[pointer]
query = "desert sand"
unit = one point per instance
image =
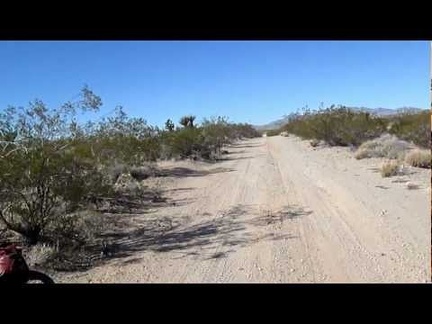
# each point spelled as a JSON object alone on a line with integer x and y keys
{"x": 277, "y": 210}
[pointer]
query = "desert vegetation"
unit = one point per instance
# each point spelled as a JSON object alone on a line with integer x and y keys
{"x": 273, "y": 132}
{"x": 413, "y": 127}
{"x": 419, "y": 158}
{"x": 342, "y": 126}
{"x": 387, "y": 146}
{"x": 392, "y": 137}
{"x": 389, "y": 168}
{"x": 335, "y": 125}
{"x": 59, "y": 176}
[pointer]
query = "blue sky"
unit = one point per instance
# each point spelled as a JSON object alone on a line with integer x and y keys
{"x": 248, "y": 81}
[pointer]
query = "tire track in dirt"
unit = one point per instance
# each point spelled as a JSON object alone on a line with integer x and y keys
{"x": 283, "y": 213}
{"x": 306, "y": 269}
{"x": 344, "y": 228}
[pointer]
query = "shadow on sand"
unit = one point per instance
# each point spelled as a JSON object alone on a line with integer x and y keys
{"x": 250, "y": 145}
{"x": 234, "y": 228}
{"x": 181, "y": 172}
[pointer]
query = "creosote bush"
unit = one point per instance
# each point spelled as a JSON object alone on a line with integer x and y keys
{"x": 343, "y": 126}
{"x": 339, "y": 126}
{"x": 47, "y": 168}
{"x": 52, "y": 168}
{"x": 412, "y": 127}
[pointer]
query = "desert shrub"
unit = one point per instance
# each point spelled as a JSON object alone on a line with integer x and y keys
{"x": 127, "y": 140}
{"x": 47, "y": 168}
{"x": 204, "y": 141}
{"x": 39, "y": 254}
{"x": 216, "y": 133}
{"x": 389, "y": 168}
{"x": 240, "y": 131}
{"x": 5, "y": 234}
{"x": 139, "y": 173}
{"x": 51, "y": 167}
{"x": 71, "y": 243}
{"x": 419, "y": 158}
{"x": 388, "y": 146}
{"x": 335, "y": 125}
{"x": 273, "y": 132}
{"x": 128, "y": 187}
{"x": 115, "y": 170}
{"x": 75, "y": 229}
{"x": 188, "y": 142}
{"x": 143, "y": 172}
{"x": 413, "y": 127}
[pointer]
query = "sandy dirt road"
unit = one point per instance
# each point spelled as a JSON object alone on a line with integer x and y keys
{"x": 278, "y": 210}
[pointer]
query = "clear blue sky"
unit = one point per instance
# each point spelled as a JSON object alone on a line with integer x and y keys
{"x": 248, "y": 81}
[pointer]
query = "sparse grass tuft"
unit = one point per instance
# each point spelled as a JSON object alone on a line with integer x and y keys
{"x": 389, "y": 169}
{"x": 39, "y": 254}
{"x": 419, "y": 158}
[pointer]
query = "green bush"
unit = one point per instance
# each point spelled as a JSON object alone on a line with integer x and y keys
{"x": 128, "y": 140}
{"x": 342, "y": 126}
{"x": 240, "y": 131}
{"x": 273, "y": 132}
{"x": 188, "y": 142}
{"x": 413, "y": 127}
{"x": 336, "y": 126}
{"x": 204, "y": 141}
{"x": 51, "y": 167}
{"x": 47, "y": 168}
{"x": 216, "y": 133}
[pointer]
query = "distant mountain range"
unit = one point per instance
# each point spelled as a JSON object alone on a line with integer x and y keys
{"x": 377, "y": 111}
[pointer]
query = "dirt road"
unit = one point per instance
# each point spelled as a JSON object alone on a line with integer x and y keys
{"x": 278, "y": 210}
